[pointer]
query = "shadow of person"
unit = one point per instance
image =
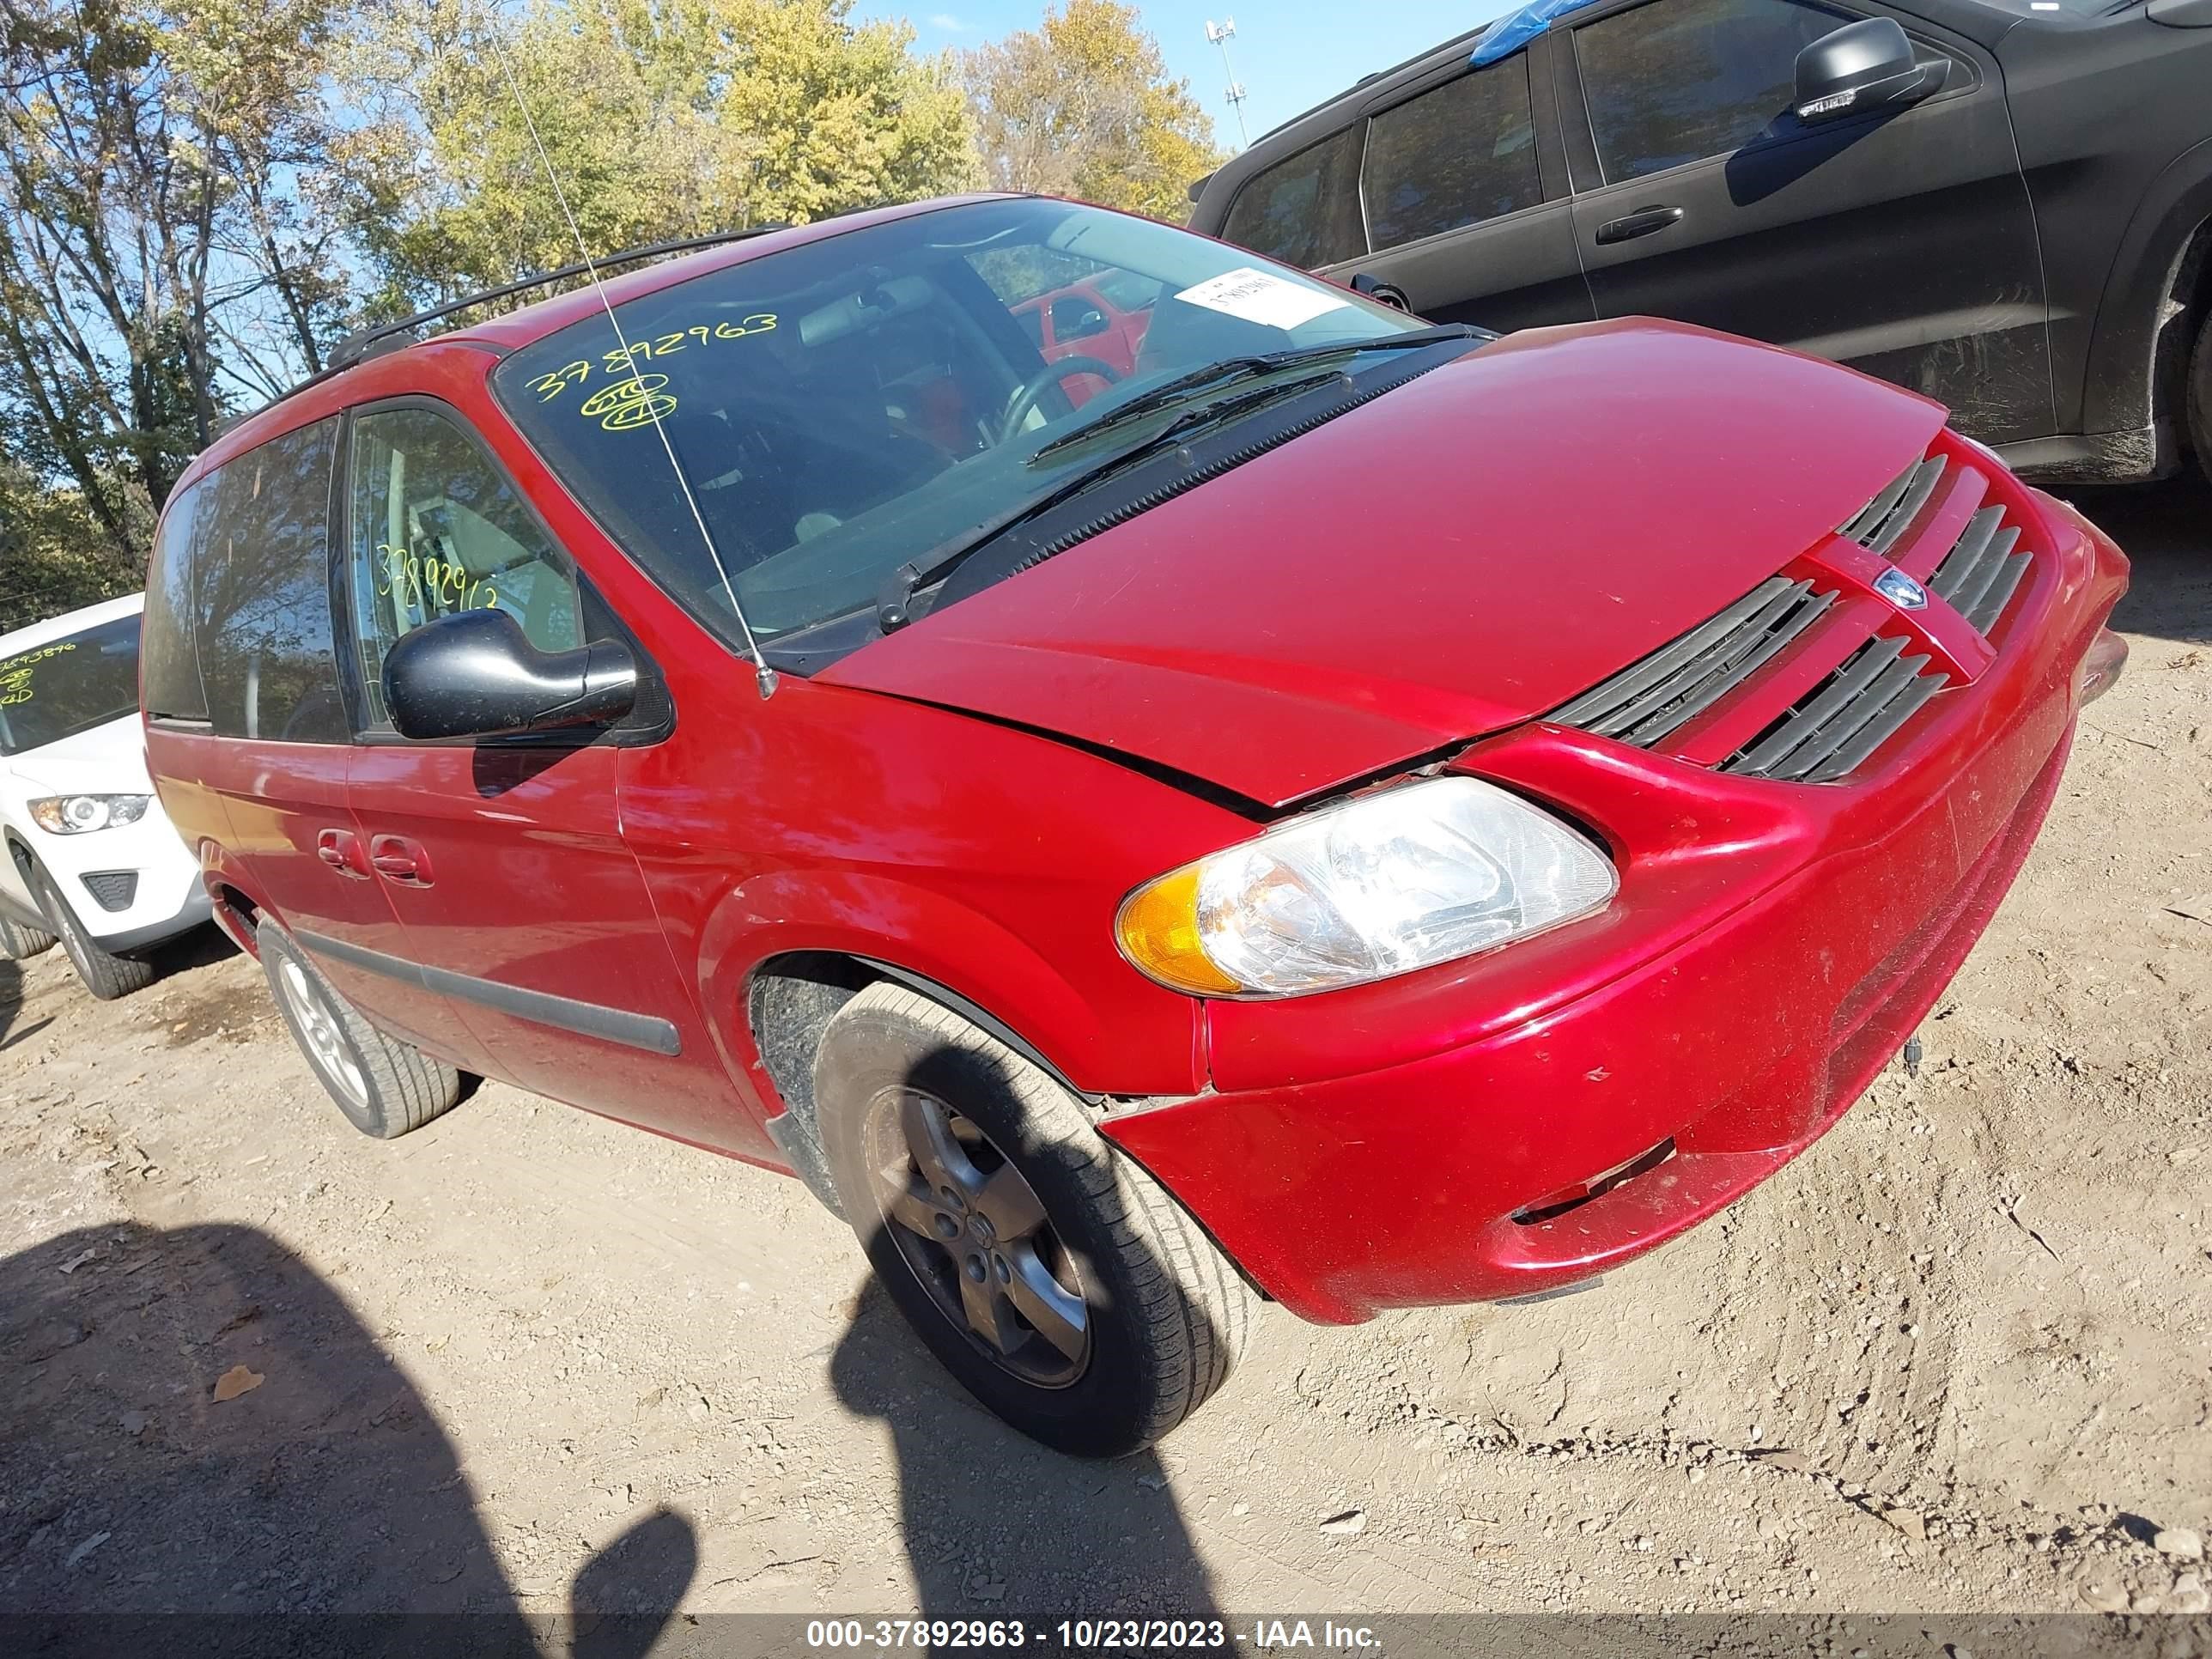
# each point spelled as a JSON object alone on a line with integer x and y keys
{"x": 998, "y": 1527}
{"x": 196, "y": 1423}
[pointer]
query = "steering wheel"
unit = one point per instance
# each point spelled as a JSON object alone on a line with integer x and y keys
{"x": 1050, "y": 375}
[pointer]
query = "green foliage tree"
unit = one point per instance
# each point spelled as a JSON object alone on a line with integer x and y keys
{"x": 149, "y": 246}
{"x": 1083, "y": 106}
{"x": 662, "y": 118}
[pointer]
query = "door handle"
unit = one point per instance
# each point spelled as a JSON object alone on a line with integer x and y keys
{"x": 397, "y": 859}
{"x": 341, "y": 850}
{"x": 1642, "y": 222}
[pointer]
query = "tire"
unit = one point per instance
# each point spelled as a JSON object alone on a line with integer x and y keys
{"x": 21, "y": 943}
{"x": 1165, "y": 1314}
{"x": 2198, "y": 400}
{"x": 107, "y": 975}
{"x": 385, "y": 1087}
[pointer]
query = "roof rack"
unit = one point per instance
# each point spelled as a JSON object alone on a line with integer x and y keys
{"x": 364, "y": 343}
{"x": 361, "y": 345}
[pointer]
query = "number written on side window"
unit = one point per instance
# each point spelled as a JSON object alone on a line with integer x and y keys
{"x": 1457, "y": 155}
{"x": 1306, "y": 210}
{"x": 437, "y": 530}
{"x": 1678, "y": 81}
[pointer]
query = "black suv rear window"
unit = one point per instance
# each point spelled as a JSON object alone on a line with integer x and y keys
{"x": 1456, "y": 156}
{"x": 1306, "y": 210}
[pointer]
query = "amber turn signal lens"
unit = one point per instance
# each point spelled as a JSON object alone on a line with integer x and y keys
{"x": 1159, "y": 930}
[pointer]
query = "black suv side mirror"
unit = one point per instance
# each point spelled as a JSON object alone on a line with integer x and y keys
{"x": 477, "y": 675}
{"x": 1861, "y": 66}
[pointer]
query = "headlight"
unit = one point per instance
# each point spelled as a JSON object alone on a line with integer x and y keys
{"x": 78, "y": 815}
{"x": 1380, "y": 886}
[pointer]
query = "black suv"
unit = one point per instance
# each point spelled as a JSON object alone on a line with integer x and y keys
{"x": 2006, "y": 204}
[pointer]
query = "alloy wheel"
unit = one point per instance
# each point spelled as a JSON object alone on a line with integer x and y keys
{"x": 976, "y": 1235}
{"x": 326, "y": 1047}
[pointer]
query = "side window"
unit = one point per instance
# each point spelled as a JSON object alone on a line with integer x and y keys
{"x": 436, "y": 529}
{"x": 1462, "y": 154}
{"x": 261, "y": 562}
{"x": 168, "y": 663}
{"x": 1681, "y": 80}
{"x": 1304, "y": 211}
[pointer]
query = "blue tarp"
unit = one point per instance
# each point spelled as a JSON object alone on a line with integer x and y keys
{"x": 1519, "y": 26}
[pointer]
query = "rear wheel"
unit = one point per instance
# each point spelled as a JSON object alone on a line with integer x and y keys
{"x": 385, "y": 1087}
{"x": 21, "y": 943}
{"x": 1062, "y": 1286}
{"x": 107, "y": 975}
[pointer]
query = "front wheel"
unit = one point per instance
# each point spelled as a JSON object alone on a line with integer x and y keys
{"x": 1061, "y": 1284}
{"x": 105, "y": 975}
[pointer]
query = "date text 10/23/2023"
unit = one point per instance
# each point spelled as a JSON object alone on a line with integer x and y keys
{"x": 1084, "y": 1635}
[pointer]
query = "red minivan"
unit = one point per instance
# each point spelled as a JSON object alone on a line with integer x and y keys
{"x": 1357, "y": 814}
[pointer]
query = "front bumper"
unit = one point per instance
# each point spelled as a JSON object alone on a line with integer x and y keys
{"x": 1772, "y": 948}
{"x": 166, "y": 895}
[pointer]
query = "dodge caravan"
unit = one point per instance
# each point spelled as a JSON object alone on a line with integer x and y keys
{"x": 1354, "y": 813}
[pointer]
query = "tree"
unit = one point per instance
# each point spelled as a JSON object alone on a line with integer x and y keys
{"x": 662, "y": 118}
{"x": 1082, "y": 107}
{"x": 53, "y": 557}
{"x": 144, "y": 154}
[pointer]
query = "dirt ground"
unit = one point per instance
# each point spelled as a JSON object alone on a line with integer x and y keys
{"x": 1959, "y": 1357}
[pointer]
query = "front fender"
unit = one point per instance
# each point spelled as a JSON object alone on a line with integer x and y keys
{"x": 923, "y": 933}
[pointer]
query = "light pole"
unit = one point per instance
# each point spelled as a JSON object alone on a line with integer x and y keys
{"x": 1220, "y": 35}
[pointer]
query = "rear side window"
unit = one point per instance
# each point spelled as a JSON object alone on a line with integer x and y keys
{"x": 169, "y": 665}
{"x": 1304, "y": 211}
{"x": 438, "y": 530}
{"x": 261, "y": 562}
{"x": 1462, "y": 154}
{"x": 1678, "y": 81}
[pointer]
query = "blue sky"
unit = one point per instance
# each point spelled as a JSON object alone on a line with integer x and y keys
{"x": 1289, "y": 54}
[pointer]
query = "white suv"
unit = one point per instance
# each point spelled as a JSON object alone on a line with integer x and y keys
{"x": 90, "y": 855}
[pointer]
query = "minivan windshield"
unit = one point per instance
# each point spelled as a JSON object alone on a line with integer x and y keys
{"x": 845, "y": 407}
{"x": 68, "y": 685}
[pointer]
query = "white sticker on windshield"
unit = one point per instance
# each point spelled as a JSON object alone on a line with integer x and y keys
{"x": 1259, "y": 296}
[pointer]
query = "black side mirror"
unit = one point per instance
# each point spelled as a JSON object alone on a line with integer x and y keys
{"x": 477, "y": 675}
{"x": 1861, "y": 66}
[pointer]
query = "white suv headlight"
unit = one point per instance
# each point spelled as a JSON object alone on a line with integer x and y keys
{"x": 79, "y": 815}
{"x": 1378, "y": 885}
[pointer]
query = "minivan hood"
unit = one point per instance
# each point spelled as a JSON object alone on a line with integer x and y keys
{"x": 1457, "y": 557}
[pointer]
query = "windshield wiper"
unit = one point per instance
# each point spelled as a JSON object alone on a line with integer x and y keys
{"x": 1228, "y": 371}
{"x": 903, "y": 583}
